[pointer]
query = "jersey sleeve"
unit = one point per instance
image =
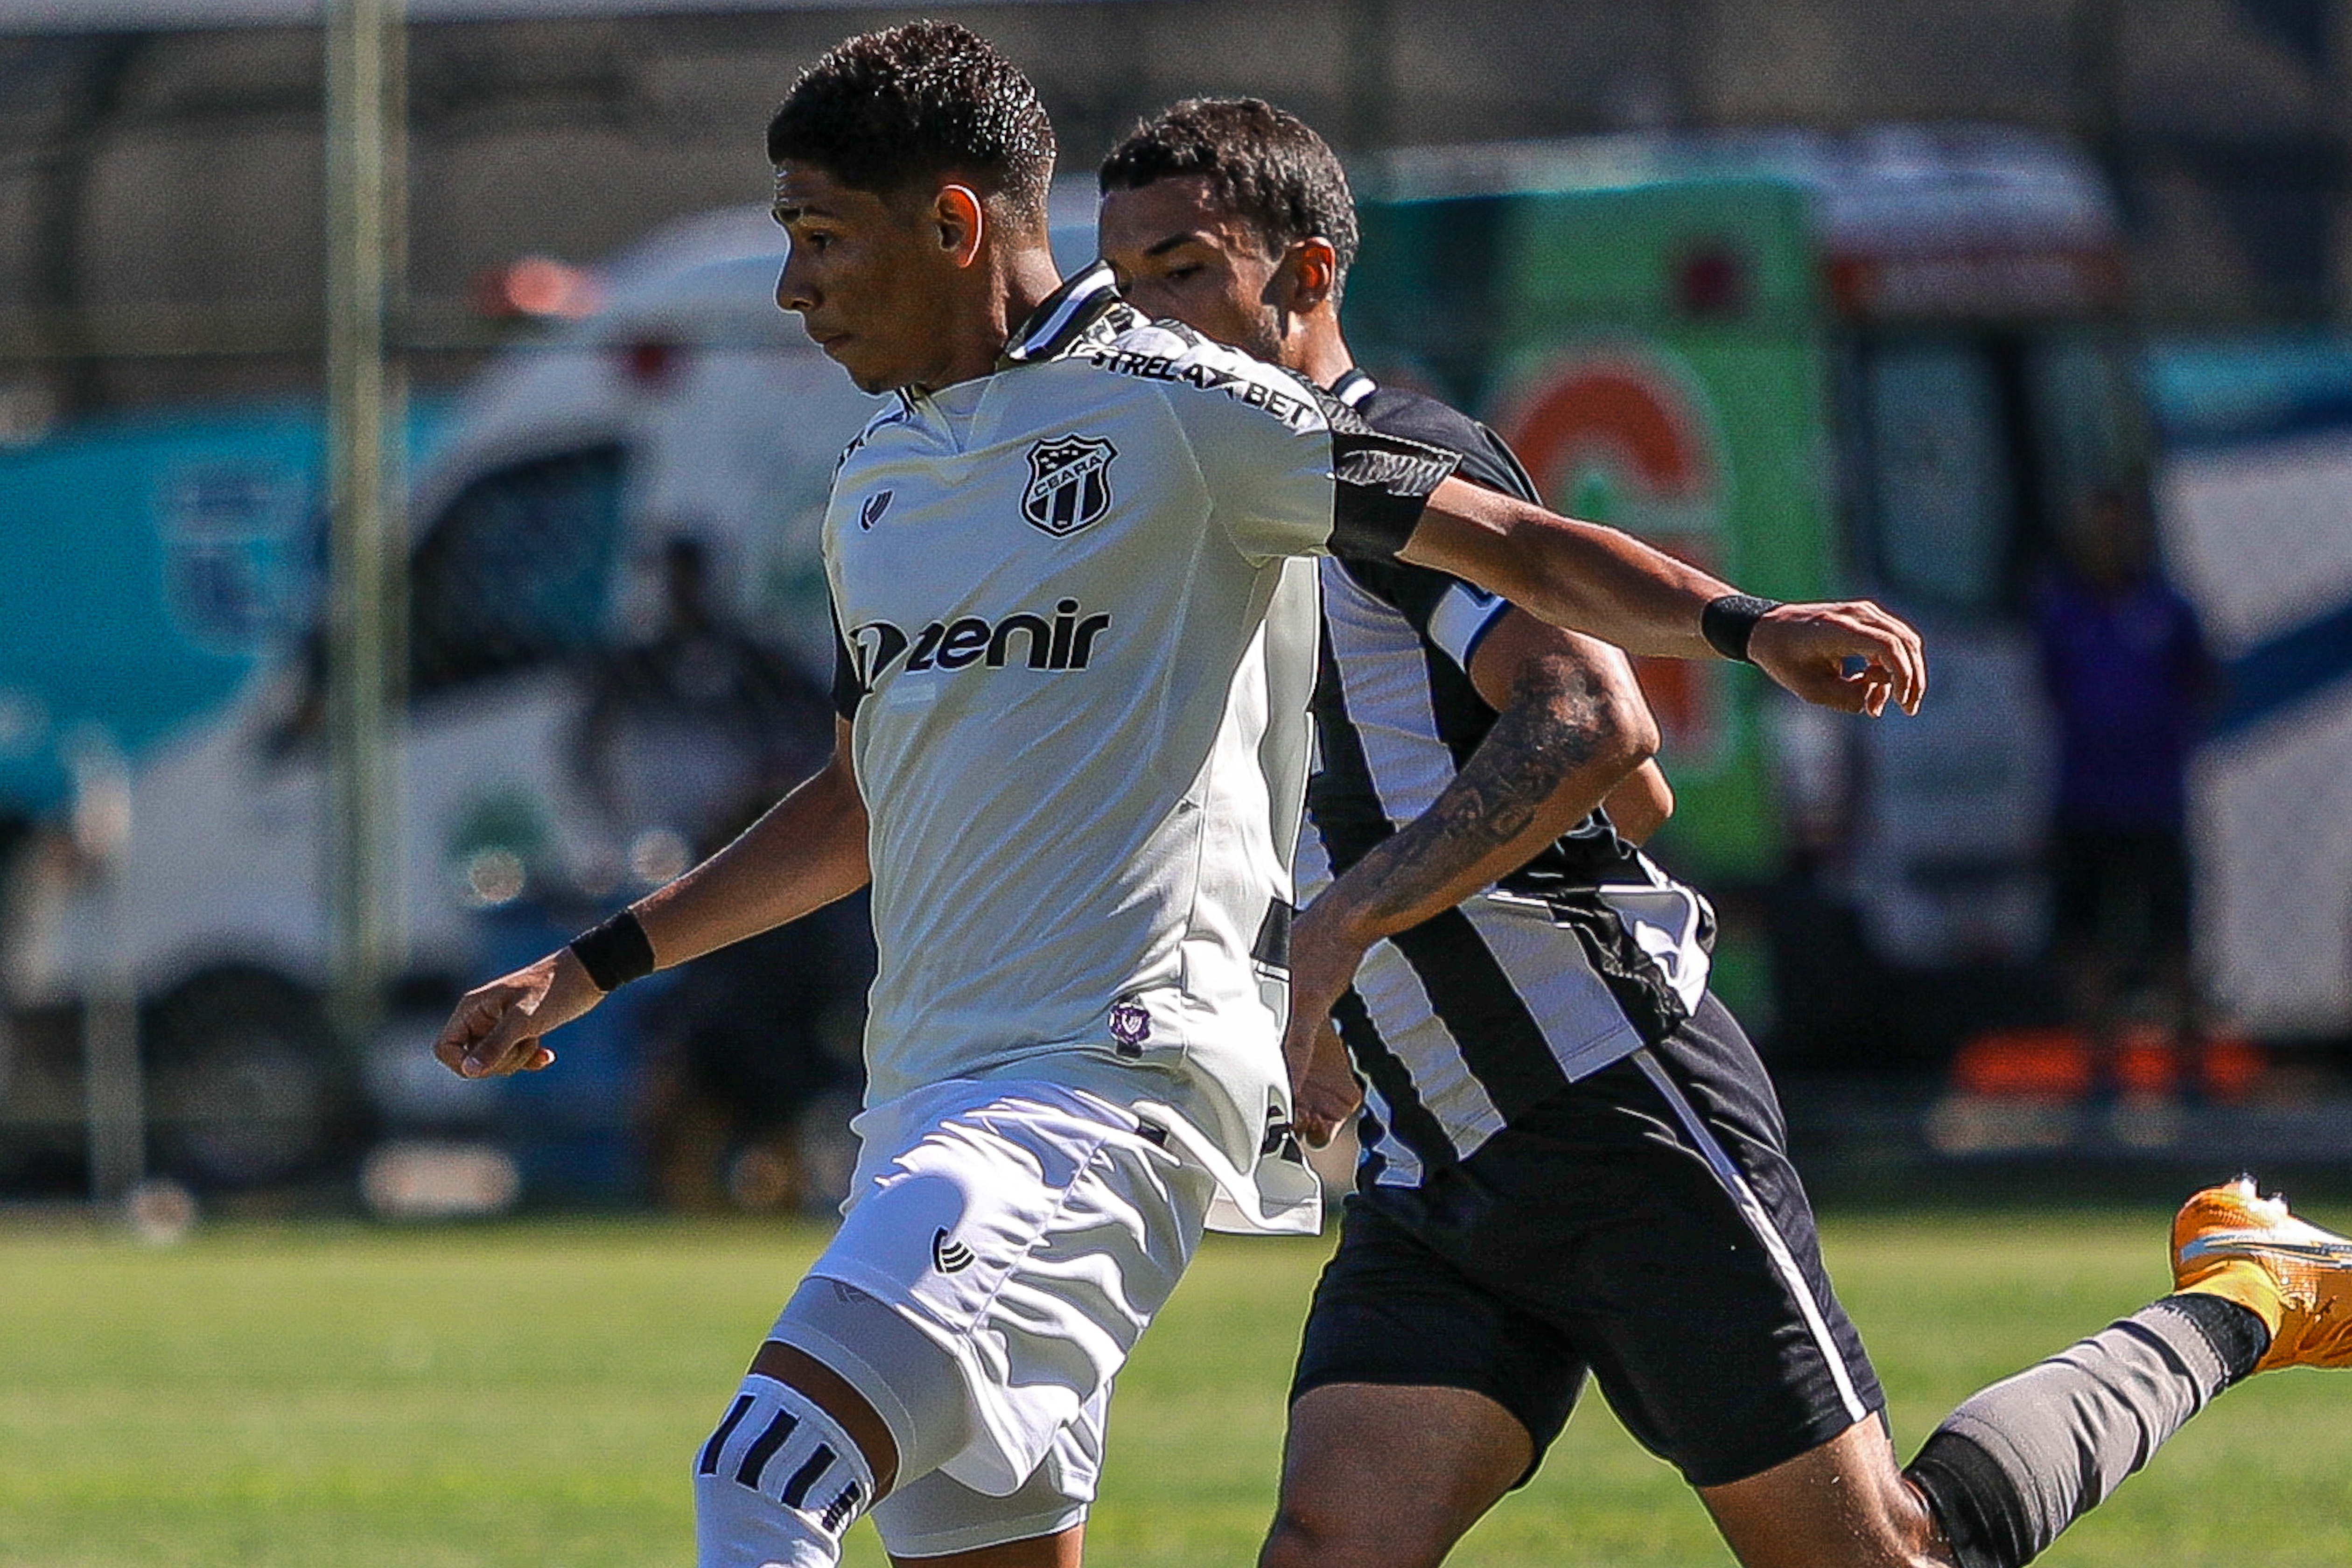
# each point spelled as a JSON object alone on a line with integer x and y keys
{"x": 1486, "y": 459}
{"x": 1291, "y": 470}
{"x": 1453, "y": 615}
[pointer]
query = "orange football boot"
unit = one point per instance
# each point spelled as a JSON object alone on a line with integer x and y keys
{"x": 2229, "y": 1241}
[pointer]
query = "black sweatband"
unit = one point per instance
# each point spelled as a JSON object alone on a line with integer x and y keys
{"x": 614, "y": 952}
{"x": 1730, "y": 621}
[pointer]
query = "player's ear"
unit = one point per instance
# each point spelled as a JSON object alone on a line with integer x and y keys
{"x": 1306, "y": 275}
{"x": 963, "y": 221}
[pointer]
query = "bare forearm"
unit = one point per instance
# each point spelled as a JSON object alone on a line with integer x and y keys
{"x": 1564, "y": 740}
{"x": 1641, "y": 805}
{"x": 1576, "y": 574}
{"x": 806, "y": 851}
{"x": 1852, "y": 656}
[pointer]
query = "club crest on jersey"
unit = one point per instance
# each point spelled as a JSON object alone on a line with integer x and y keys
{"x": 1130, "y": 1025}
{"x": 1069, "y": 483}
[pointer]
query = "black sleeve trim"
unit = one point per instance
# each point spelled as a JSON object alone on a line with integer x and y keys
{"x": 848, "y": 691}
{"x": 1381, "y": 486}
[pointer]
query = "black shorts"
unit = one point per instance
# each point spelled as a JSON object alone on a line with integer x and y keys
{"x": 1646, "y": 1228}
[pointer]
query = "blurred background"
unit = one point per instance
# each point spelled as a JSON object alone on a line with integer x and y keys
{"x": 409, "y": 555}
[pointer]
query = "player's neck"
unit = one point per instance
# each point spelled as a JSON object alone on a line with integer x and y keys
{"x": 1318, "y": 352}
{"x": 1019, "y": 280}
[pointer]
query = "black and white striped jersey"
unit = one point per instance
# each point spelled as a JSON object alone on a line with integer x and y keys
{"x": 1586, "y": 952}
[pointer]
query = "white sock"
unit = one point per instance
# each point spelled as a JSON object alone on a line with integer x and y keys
{"x": 777, "y": 1483}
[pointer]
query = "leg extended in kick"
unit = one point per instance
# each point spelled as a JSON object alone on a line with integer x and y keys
{"x": 2017, "y": 1463}
{"x": 2008, "y": 1471}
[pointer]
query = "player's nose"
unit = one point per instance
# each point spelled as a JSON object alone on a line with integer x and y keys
{"x": 793, "y": 291}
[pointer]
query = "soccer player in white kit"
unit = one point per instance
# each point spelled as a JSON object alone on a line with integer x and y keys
{"x": 1077, "y": 644}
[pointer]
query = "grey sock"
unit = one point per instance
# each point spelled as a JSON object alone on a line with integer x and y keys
{"x": 2026, "y": 1457}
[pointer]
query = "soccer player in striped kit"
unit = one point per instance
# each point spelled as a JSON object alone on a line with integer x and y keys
{"x": 1572, "y": 1160}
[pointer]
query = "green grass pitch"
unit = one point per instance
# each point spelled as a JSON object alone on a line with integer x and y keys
{"x": 531, "y": 1395}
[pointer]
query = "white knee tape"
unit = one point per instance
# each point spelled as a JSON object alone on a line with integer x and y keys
{"x": 777, "y": 1483}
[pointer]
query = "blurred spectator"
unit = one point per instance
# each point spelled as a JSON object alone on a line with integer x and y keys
{"x": 2128, "y": 674}
{"x": 686, "y": 727}
{"x": 688, "y": 738}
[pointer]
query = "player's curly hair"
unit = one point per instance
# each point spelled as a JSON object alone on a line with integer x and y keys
{"x": 1265, "y": 164}
{"x": 884, "y": 111}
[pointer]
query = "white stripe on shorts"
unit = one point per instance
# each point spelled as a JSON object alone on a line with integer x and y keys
{"x": 1760, "y": 1220}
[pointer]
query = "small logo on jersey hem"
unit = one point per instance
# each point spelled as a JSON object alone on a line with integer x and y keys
{"x": 876, "y": 505}
{"x": 1069, "y": 484}
{"x": 948, "y": 1255}
{"x": 1130, "y": 1025}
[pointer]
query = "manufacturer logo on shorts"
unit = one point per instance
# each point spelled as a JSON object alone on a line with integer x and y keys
{"x": 948, "y": 1255}
{"x": 1069, "y": 483}
{"x": 1130, "y": 1025}
{"x": 876, "y": 505}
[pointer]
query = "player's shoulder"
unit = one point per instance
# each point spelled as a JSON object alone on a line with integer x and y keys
{"x": 1416, "y": 416}
{"x": 895, "y": 411}
{"x": 1195, "y": 367}
{"x": 1486, "y": 459}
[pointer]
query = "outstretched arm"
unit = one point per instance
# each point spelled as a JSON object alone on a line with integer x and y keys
{"x": 1571, "y": 728}
{"x": 1612, "y": 586}
{"x": 806, "y": 851}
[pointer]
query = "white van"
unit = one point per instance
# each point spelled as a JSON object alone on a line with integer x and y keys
{"x": 685, "y": 405}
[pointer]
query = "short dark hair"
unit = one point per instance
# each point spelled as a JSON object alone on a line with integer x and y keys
{"x": 1262, "y": 164}
{"x": 884, "y": 111}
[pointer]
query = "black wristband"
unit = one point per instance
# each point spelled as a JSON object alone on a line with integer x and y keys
{"x": 614, "y": 952}
{"x": 1730, "y": 621}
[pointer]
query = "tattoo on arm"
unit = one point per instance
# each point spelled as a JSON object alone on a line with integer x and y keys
{"x": 1555, "y": 725}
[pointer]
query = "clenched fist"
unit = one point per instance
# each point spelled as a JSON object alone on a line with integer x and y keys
{"x": 496, "y": 1027}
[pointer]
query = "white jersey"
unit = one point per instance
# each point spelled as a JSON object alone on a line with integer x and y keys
{"x": 1076, "y": 652}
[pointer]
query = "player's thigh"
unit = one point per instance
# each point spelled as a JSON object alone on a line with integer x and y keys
{"x": 1375, "y": 1476}
{"x": 1843, "y": 1504}
{"x": 1421, "y": 1397}
{"x": 1390, "y": 1311}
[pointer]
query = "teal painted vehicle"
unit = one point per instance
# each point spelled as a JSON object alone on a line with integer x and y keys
{"x": 148, "y": 565}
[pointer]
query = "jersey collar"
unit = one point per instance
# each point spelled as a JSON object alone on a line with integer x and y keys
{"x": 1353, "y": 387}
{"x": 1066, "y": 317}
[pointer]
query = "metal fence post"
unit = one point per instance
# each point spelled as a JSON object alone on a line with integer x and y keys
{"x": 114, "y": 1095}
{"x": 366, "y": 517}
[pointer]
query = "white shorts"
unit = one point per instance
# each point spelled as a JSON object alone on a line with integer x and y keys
{"x": 1031, "y": 1231}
